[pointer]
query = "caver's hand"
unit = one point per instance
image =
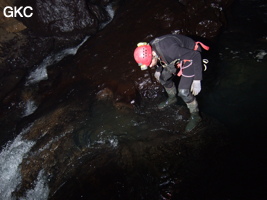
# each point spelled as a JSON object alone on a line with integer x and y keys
{"x": 196, "y": 87}
{"x": 157, "y": 75}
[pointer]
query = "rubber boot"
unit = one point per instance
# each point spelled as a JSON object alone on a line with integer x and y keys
{"x": 171, "y": 97}
{"x": 194, "y": 116}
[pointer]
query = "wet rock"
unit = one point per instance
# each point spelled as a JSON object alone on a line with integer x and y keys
{"x": 193, "y": 21}
{"x": 79, "y": 128}
{"x": 107, "y": 95}
{"x": 74, "y": 143}
{"x": 64, "y": 18}
{"x": 104, "y": 94}
{"x": 11, "y": 26}
{"x": 96, "y": 66}
{"x": 24, "y": 50}
{"x": 99, "y": 12}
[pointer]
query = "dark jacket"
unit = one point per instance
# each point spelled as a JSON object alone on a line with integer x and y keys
{"x": 171, "y": 47}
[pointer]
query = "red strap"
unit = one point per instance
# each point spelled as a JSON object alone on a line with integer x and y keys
{"x": 180, "y": 66}
{"x": 203, "y": 46}
{"x": 187, "y": 60}
{"x": 180, "y": 72}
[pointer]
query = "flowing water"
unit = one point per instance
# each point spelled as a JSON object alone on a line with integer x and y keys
{"x": 233, "y": 92}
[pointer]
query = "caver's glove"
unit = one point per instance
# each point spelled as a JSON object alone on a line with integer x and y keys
{"x": 195, "y": 87}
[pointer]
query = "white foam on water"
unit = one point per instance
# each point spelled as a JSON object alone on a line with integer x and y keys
{"x": 107, "y": 139}
{"x": 10, "y": 159}
{"x": 30, "y": 107}
{"x": 48, "y": 144}
{"x": 40, "y": 73}
{"x": 111, "y": 13}
{"x": 40, "y": 190}
{"x": 13, "y": 153}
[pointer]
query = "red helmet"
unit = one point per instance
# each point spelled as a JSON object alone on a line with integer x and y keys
{"x": 143, "y": 55}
